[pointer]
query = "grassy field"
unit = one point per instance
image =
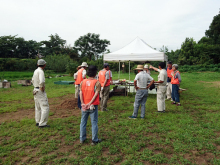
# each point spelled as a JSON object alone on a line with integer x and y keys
{"x": 189, "y": 134}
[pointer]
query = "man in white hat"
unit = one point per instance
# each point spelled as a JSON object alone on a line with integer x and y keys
{"x": 40, "y": 96}
{"x": 81, "y": 74}
{"x": 146, "y": 69}
{"x": 140, "y": 84}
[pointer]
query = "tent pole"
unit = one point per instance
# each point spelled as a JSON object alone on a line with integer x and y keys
{"x": 119, "y": 70}
{"x": 129, "y": 70}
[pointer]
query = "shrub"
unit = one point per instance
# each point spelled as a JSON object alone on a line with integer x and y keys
{"x": 71, "y": 68}
{"x": 57, "y": 63}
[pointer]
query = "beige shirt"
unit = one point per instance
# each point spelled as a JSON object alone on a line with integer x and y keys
{"x": 162, "y": 77}
{"x": 38, "y": 78}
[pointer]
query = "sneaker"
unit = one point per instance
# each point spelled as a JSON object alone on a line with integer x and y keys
{"x": 173, "y": 102}
{"x": 37, "y": 124}
{"x": 44, "y": 126}
{"x": 95, "y": 143}
{"x": 81, "y": 142}
{"x": 132, "y": 117}
{"x": 178, "y": 104}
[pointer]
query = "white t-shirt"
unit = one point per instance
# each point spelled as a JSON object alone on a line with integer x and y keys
{"x": 142, "y": 79}
{"x": 162, "y": 77}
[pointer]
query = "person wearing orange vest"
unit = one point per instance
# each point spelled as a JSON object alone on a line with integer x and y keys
{"x": 104, "y": 78}
{"x": 89, "y": 96}
{"x": 175, "y": 81}
{"x": 169, "y": 85}
{"x": 81, "y": 74}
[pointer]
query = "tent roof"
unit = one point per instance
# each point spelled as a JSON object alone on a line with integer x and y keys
{"x": 137, "y": 50}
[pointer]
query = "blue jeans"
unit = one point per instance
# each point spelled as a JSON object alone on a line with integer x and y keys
{"x": 140, "y": 99}
{"x": 94, "y": 121}
{"x": 175, "y": 93}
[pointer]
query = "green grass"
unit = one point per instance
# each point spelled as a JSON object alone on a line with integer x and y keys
{"x": 187, "y": 134}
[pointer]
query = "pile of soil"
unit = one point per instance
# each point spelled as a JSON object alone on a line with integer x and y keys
{"x": 68, "y": 104}
{"x": 61, "y": 107}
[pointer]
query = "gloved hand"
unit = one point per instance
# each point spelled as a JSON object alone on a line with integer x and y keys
{"x": 101, "y": 88}
{"x": 92, "y": 107}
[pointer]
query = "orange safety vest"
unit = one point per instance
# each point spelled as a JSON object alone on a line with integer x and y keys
{"x": 169, "y": 71}
{"x": 79, "y": 76}
{"x": 102, "y": 78}
{"x": 88, "y": 91}
{"x": 175, "y": 80}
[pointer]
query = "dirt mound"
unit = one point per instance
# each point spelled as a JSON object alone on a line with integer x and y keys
{"x": 60, "y": 107}
{"x": 68, "y": 104}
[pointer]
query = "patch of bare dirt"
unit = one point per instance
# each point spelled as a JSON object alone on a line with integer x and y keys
{"x": 61, "y": 107}
{"x": 212, "y": 84}
{"x": 105, "y": 152}
{"x": 198, "y": 158}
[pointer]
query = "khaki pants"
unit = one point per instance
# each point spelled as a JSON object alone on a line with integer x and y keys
{"x": 104, "y": 98}
{"x": 161, "y": 95}
{"x": 76, "y": 91}
{"x": 41, "y": 108}
{"x": 169, "y": 90}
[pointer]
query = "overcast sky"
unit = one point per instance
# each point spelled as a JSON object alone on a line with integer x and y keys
{"x": 157, "y": 22}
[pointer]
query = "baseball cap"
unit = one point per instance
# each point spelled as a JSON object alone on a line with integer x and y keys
{"x": 41, "y": 62}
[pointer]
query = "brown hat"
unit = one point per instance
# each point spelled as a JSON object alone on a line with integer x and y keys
{"x": 139, "y": 67}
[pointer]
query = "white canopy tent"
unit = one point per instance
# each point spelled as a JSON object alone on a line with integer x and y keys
{"x": 137, "y": 50}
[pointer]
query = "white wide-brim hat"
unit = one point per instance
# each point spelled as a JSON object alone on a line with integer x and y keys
{"x": 84, "y": 64}
{"x": 41, "y": 62}
{"x": 146, "y": 66}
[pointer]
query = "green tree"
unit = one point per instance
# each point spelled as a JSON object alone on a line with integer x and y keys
{"x": 7, "y": 46}
{"x": 164, "y": 49}
{"x": 26, "y": 49}
{"x": 53, "y": 46}
{"x": 187, "y": 55}
{"x": 70, "y": 51}
{"x": 173, "y": 56}
{"x": 214, "y": 30}
{"x": 17, "y": 47}
{"x": 91, "y": 46}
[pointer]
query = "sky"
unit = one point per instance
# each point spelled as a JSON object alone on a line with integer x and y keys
{"x": 157, "y": 22}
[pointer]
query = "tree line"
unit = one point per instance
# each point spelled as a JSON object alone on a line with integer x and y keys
{"x": 204, "y": 52}
{"x": 90, "y": 48}
{"x": 89, "y": 45}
